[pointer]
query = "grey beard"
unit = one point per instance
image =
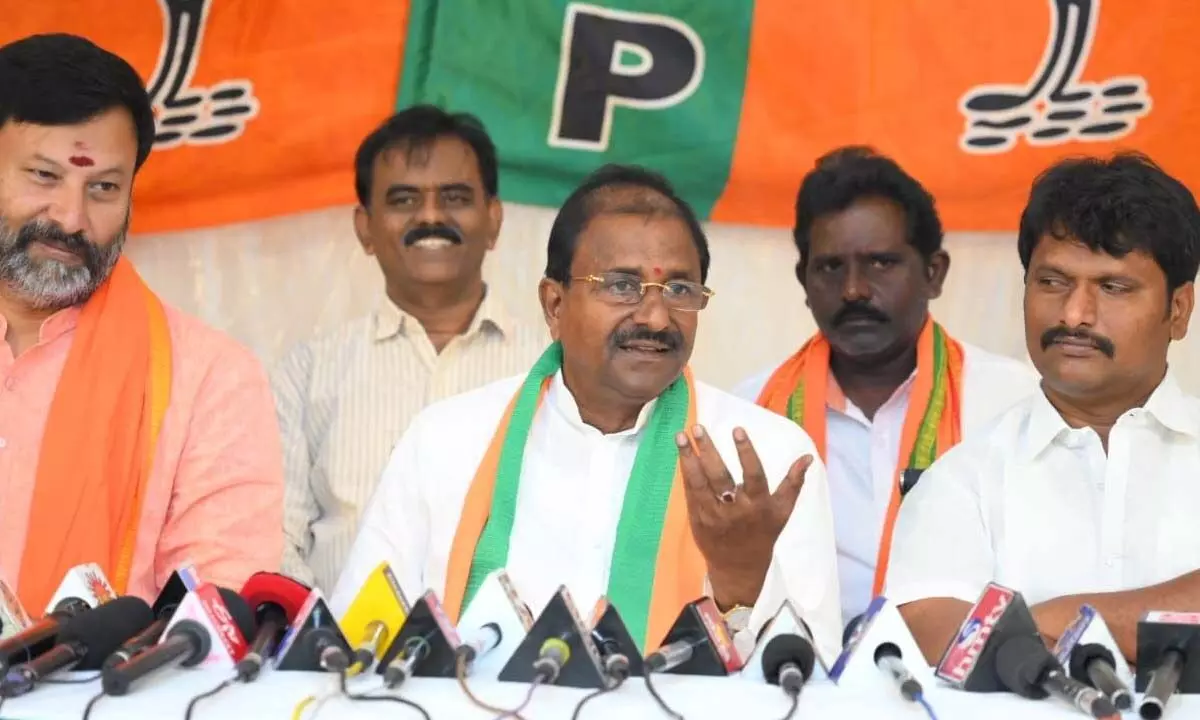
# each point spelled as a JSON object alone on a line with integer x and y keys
{"x": 47, "y": 283}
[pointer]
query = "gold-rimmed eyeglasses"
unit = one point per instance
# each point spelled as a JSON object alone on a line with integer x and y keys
{"x": 625, "y": 289}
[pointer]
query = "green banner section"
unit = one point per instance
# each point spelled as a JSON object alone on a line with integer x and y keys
{"x": 565, "y": 87}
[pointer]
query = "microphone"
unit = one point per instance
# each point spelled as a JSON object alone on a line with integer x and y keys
{"x": 276, "y": 601}
{"x": 891, "y": 662}
{"x": 552, "y": 656}
{"x": 82, "y": 584}
{"x": 38, "y": 637}
{"x": 83, "y": 642}
{"x": 787, "y": 661}
{"x": 483, "y": 641}
{"x": 697, "y": 644}
{"x": 1027, "y": 668}
{"x": 427, "y": 644}
{"x": 186, "y": 644}
{"x": 375, "y": 616}
{"x": 182, "y": 581}
{"x": 1166, "y": 642}
{"x": 615, "y": 663}
{"x": 1094, "y": 664}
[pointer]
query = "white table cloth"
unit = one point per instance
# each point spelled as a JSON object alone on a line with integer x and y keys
{"x": 275, "y": 695}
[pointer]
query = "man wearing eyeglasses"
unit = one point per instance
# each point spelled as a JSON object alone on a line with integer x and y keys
{"x": 608, "y": 468}
{"x": 882, "y": 388}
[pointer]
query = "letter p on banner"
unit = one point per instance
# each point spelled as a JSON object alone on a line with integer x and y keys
{"x": 617, "y": 57}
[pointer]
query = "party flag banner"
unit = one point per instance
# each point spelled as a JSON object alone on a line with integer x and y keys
{"x": 261, "y": 103}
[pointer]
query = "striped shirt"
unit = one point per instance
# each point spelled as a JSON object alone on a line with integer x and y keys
{"x": 345, "y": 398}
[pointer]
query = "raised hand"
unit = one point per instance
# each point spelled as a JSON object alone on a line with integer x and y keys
{"x": 735, "y": 526}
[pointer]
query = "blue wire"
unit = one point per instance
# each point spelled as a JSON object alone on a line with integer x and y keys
{"x": 920, "y": 698}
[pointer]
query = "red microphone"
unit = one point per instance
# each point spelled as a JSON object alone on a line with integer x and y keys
{"x": 276, "y": 600}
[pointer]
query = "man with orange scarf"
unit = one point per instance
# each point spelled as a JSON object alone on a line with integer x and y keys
{"x": 607, "y": 467}
{"x": 882, "y": 388}
{"x": 130, "y": 435}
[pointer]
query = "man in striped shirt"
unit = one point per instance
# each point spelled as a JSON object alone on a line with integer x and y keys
{"x": 428, "y": 212}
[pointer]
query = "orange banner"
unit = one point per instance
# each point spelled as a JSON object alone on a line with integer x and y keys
{"x": 932, "y": 83}
{"x": 268, "y": 99}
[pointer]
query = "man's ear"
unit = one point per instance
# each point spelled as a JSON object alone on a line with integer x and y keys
{"x": 495, "y": 221}
{"x": 936, "y": 270}
{"x": 1182, "y": 302}
{"x": 362, "y": 229}
{"x": 551, "y": 294}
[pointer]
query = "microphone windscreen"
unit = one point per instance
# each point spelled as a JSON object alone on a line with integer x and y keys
{"x": 274, "y": 589}
{"x": 1021, "y": 664}
{"x": 1083, "y": 655}
{"x": 239, "y": 611}
{"x": 103, "y": 629}
{"x": 784, "y": 649}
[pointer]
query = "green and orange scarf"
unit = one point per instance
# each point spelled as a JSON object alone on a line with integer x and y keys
{"x": 98, "y": 446}
{"x": 656, "y": 566}
{"x": 798, "y": 390}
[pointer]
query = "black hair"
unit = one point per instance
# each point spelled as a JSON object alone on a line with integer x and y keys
{"x": 417, "y": 127}
{"x": 606, "y": 191}
{"x": 848, "y": 174}
{"x": 62, "y": 79}
{"x": 1116, "y": 206}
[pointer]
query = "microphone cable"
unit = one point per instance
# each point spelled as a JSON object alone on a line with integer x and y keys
{"x": 919, "y": 698}
{"x": 658, "y": 698}
{"x": 356, "y": 697}
{"x": 609, "y": 687}
{"x": 460, "y": 673}
{"x": 87, "y": 709}
{"x": 791, "y": 713}
{"x": 191, "y": 706}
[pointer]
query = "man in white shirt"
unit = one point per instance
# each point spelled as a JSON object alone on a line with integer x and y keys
{"x": 1086, "y": 492}
{"x": 428, "y": 212}
{"x": 881, "y": 388}
{"x": 635, "y": 482}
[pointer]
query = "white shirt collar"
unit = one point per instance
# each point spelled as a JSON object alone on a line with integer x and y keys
{"x": 1166, "y": 406}
{"x": 560, "y": 398}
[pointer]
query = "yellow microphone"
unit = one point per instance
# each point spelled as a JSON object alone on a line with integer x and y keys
{"x": 374, "y": 617}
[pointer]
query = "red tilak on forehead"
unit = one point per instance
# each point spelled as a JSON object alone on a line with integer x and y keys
{"x": 81, "y": 161}
{"x": 657, "y": 271}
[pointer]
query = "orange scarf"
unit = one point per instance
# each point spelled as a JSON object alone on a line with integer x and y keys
{"x": 99, "y": 440}
{"x": 799, "y": 389}
{"x": 680, "y": 569}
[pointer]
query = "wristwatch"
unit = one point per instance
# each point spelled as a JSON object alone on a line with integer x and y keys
{"x": 737, "y": 619}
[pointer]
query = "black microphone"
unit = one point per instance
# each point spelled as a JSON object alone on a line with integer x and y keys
{"x": 83, "y": 643}
{"x": 38, "y": 637}
{"x": 481, "y": 642}
{"x": 616, "y": 663}
{"x": 186, "y": 644}
{"x": 787, "y": 661}
{"x": 1163, "y": 682}
{"x": 889, "y": 659}
{"x": 1095, "y": 665}
{"x": 1027, "y": 668}
{"x": 136, "y": 644}
{"x": 276, "y": 601}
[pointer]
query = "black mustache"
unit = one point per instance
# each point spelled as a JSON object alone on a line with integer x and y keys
{"x": 51, "y": 233}
{"x": 667, "y": 338}
{"x": 854, "y": 311}
{"x": 1062, "y": 332}
{"x": 440, "y": 230}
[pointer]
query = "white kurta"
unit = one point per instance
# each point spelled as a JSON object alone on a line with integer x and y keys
{"x": 572, "y": 488}
{"x": 861, "y": 456}
{"x": 1040, "y": 507}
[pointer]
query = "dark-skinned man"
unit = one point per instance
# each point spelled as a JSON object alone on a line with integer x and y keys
{"x": 428, "y": 212}
{"x": 881, "y": 388}
{"x": 619, "y": 455}
{"x": 1085, "y": 492}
